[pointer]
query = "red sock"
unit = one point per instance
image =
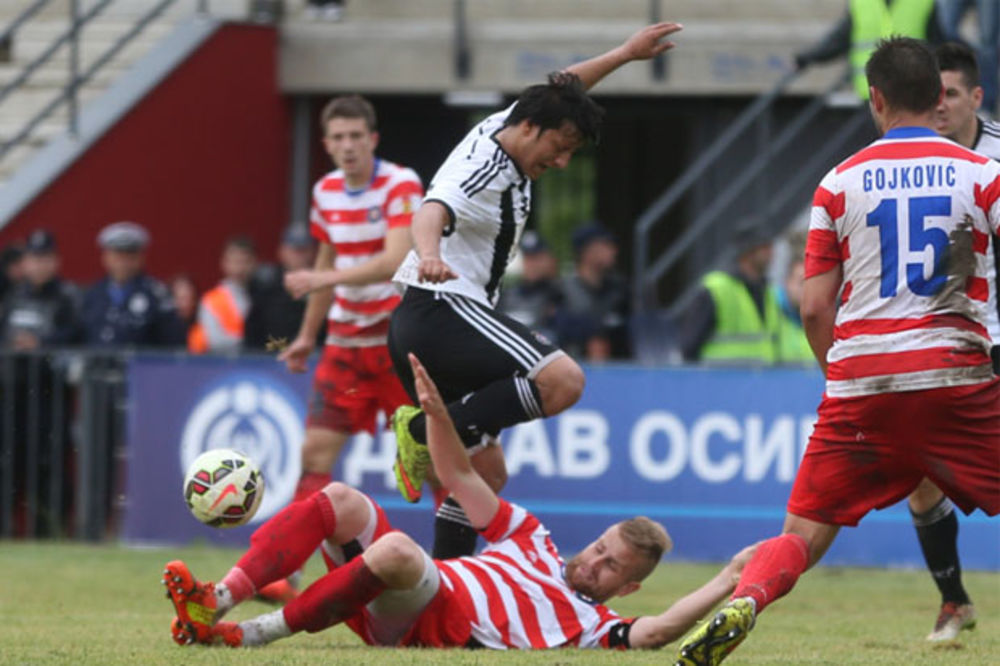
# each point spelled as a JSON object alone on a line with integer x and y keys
{"x": 773, "y": 570}
{"x": 333, "y": 598}
{"x": 282, "y": 545}
{"x": 309, "y": 483}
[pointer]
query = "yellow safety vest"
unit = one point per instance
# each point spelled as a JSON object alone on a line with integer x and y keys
{"x": 872, "y": 20}
{"x": 741, "y": 336}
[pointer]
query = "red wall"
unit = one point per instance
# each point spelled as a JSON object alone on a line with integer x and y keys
{"x": 204, "y": 155}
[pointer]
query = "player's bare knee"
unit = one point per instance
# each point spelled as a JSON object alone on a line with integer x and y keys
{"x": 396, "y": 560}
{"x": 925, "y": 497}
{"x": 560, "y": 384}
{"x": 489, "y": 464}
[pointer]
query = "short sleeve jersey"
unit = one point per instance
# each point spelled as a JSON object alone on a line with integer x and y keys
{"x": 488, "y": 200}
{"x": 515, "y": 594}
{"x": 988, "y": 143}
{"x": 355, "y": 223}
{"x": 908, "y": 219}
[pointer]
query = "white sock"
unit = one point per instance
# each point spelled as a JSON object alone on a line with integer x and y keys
{"x": 223, "y": 600}
{"x": 264, "y": 629}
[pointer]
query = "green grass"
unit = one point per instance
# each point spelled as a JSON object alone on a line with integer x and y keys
{"x": 79, "y": 604}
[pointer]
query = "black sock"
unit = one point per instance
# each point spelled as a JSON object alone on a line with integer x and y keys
{"x": 937, "y": 530}
{"x": 454, "y": 536}
{"x": 489, "y": 410}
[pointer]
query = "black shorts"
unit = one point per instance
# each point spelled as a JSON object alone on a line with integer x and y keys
{"x": 464, "y": 344}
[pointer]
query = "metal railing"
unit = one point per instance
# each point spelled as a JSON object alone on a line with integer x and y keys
{"x": 70, "y": 38}
{"x": 62, "y": 415}
{"x": 754, "y": 121}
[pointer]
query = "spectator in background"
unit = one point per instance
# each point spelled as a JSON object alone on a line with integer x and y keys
{"x": 11, "y": 268}
{"x": 593, "y": 319}
{"x": 42, "y": 310}
{"x": 222, "y": 310}
{"x": 733, "y": 318}
{"x": 792, "y": 344}
{"x": 274, "y": 315}
{"x": 324, "y": 10}
{"x": 535, "y": 299}
{"x": 185, "y": 294}
{"x": 128, "y": 307}
{"x": 867, "y": 21}
{"x": 950, "y": 14}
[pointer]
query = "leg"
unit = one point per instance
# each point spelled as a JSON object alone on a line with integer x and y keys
{"x": 320, "y": 451}
{"x": 454, "y": 536}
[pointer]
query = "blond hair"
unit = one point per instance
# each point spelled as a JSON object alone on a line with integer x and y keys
{"x": 649, "y": 538}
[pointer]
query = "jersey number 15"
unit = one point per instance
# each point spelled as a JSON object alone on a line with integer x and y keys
{"x": 886, "y": 218}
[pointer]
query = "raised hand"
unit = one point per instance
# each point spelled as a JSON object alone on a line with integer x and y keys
{"x": 648, "y": 42}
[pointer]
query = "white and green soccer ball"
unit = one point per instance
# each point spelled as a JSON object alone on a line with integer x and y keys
{"x": 223, "y": 488}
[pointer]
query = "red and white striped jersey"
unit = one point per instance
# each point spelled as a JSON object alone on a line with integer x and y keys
{"x": 355, "y": 222}
{"x": 908, "y": 218}
{"x": 514, "y": 592}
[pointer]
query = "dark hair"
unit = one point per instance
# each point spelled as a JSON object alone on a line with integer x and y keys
{"x": 956, "y": 57}
{"x": 241, "y": 242}
{"x": 562, "y": 99}
{"x": 349, "y": 106}
{"x": 906, "y": 72}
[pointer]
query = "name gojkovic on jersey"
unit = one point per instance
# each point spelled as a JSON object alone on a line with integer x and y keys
{"x": 355, "y": 222}
{"x": 488, "y": 201}
{"x": 908, "y": 219}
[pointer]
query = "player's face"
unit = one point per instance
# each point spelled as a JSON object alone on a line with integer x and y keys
{"x": 604, "y": 569}
{"x": 957, "y": 110}
{"x": 352, "y": 146}
{"x": 548, "y": 149}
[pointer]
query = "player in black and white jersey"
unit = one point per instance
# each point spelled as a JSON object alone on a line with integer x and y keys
{"x": 493, "y": 371}
{"x": 933, "y": 513}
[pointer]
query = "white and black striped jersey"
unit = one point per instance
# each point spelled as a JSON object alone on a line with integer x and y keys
{"x": 488, "y": 200}
{"x": 988, "y": 143}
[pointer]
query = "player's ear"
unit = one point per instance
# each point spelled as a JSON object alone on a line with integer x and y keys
{"x": 628, "y": 588}
{"x": 977, "y": 97}
{"x": 375, "y": 138}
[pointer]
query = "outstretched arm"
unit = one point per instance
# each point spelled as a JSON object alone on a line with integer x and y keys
{"x": 643, "y": 45}
{"x": 655, "y": 631}
{"x": 451, "y": 462}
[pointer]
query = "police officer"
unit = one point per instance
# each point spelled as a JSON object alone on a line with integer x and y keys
{"x": 42, "y": 310}
{"x": 127, "y": 307}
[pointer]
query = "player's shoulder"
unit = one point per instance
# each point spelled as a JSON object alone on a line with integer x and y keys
{"x": 332, "y": 181}
{"x": 397, "y": 173}
{"x": 988, "y": 142}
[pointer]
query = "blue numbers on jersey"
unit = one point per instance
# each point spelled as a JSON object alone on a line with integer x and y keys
{"x": 886, "y": 218}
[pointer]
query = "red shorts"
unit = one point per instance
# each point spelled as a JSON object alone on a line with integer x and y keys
{"x": 869, "y": 452}
{"x": 437, "y": 621}
{"x": 351, "y": 385}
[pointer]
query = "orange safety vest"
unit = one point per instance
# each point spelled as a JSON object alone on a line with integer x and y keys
{"x": 221, "y": 304}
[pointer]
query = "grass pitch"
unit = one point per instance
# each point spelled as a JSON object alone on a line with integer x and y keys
{"x": 80, "y": 604}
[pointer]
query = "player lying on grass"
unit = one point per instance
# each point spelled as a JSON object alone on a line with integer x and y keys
{"x": 517, "y": 593}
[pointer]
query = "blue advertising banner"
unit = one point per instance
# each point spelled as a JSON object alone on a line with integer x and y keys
{"x": 710, "y": 453}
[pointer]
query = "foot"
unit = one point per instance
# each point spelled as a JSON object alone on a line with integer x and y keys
{"x": 222, "y": 633}
{"x": 952, "y": 619}
{"x": 194, "y": 602}
{"x": 709, "y": 644}
{"x": 412, "y": 457}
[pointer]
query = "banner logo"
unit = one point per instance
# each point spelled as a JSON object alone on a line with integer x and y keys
{"x": 257, "y": 416}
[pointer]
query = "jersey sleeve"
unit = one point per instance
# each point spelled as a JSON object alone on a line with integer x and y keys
{"x": 987, "y": 192}
{"x": 456, "y": 186}
{"x": 402, "y": 199}
{"x": 317, "y": 226}
{"x": 824, "y": 251}
{"x": 509, "y": 521}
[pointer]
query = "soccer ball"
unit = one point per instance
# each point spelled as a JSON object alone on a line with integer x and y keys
{"x": 223, "y": 488}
